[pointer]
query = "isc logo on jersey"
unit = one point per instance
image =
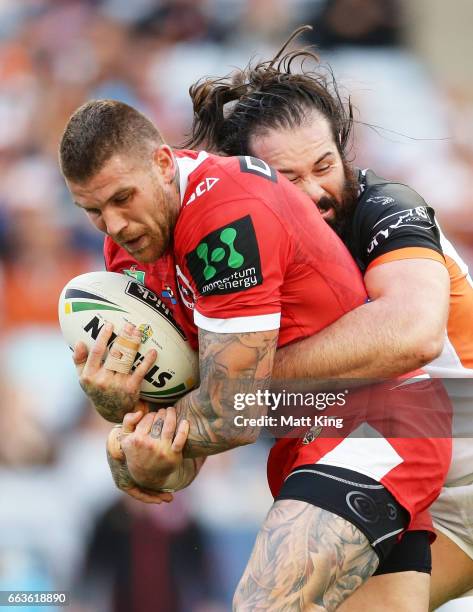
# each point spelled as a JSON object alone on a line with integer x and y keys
{"x": 227, "y": 260}
{"x": 203, "y": 187}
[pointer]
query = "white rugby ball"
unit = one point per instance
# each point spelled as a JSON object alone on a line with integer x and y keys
{"x": 90, "y": 300}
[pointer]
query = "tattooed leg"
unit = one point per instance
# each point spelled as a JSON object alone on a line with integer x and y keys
{"x": 304, "y": 559}
{"x": 397, "y": 592}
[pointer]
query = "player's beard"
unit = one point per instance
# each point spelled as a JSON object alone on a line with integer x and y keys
{"x": 345, "y": 208}
{"x": 160, "y": 231}
{"x": 167, "y": 216}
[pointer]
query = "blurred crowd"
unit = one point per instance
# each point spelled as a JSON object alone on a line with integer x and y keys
{"x": 63, "y": 524}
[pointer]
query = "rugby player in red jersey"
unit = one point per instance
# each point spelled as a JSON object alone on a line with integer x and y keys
{"x": 256, "y": 268}
{"x": 296, "y": 121}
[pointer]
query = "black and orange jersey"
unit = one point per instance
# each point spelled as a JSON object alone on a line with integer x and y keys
{"x": 392, "y": 222}
{"x": 391, "y": 218}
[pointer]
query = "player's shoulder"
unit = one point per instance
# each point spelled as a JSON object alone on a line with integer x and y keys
{"x": 389, "y": 216}
{"x": 212, "y": 179}
{"x": 381, "y": 197}
{"x": 218, "y": 190}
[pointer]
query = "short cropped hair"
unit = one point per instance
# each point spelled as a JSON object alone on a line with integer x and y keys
{"x": 100, "y": 129}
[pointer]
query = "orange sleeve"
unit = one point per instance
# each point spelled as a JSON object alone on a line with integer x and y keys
{"x": 407, "y": 253}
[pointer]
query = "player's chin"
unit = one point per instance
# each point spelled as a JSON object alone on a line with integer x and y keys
{"x": 147, "y": 254}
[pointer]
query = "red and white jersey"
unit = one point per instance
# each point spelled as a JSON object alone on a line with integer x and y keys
{"x": 252, "y": 253}
{"x": 397, "y": 433}
{"x": 159, "y": 277}
{"x": 256, "y": 254}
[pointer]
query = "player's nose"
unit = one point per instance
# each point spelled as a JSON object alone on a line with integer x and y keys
{"x": 115, "y": 222}
{"x": 313, "y": 189}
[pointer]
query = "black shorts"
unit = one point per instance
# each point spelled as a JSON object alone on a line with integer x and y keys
{"x": 357, "y": 498}
{"x": 410, "y": 554}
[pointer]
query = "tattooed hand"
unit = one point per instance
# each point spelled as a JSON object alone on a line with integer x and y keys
{"x": 112, "y": 393}
{"x": 121, "y": 475}
{"x": 153, "y": 448}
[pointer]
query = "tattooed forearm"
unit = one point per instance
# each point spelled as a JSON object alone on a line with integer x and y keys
{"x": 184, "y": 475}
{"x": 304, "y": 558}
{"x": 229, "y": 364}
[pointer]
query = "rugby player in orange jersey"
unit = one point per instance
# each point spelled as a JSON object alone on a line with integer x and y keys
{"x": 251, "y": 277}
{"x": 279, "y": 115}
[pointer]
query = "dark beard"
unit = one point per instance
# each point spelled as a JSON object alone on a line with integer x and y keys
{"x": 345, "y": 209}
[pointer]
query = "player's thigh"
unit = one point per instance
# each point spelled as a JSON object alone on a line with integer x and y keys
{"x": 452, "y": 571}
{"x": 399, "y": 592}
{"x": 304, "y": 558}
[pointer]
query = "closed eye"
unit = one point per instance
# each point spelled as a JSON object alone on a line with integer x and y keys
{"x": 122, "y": 198}
{"x": 322, "y": 169}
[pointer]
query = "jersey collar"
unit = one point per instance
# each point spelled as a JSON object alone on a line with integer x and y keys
{"x": 186, "y": 166}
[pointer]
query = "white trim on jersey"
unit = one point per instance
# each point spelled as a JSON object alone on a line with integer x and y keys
{"x": 411, "y": 381}
{"x": 373, "y": 456}
{"x": 449, "y": 249}
{"x": 187, "y": 165}
{"x": 448, "y": 363}
{"x": 237, "y": 325}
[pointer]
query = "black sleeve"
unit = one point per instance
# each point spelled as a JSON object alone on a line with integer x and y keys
{"x": 390, "y": 217}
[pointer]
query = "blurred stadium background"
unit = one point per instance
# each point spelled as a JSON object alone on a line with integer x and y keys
{"x": 407, "y": 65}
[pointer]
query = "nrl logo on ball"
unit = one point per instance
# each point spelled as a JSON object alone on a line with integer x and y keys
{"x": 146, "y": 332}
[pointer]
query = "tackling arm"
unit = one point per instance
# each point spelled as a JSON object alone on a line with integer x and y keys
{"x": 401, "y": 329}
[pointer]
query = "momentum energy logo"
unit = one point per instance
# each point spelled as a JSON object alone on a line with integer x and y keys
{"x": 227, "y": 260}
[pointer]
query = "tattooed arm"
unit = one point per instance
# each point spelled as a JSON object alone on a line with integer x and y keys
{"x": 139, "y": 434}
{"x": 156, "y": 489}
{"x": 229, "y": 364}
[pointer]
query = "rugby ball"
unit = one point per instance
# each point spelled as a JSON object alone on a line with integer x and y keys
{"x": 90, "y": 300}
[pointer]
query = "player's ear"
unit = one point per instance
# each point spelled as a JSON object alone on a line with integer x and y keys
{"x": 165, "y": 162}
